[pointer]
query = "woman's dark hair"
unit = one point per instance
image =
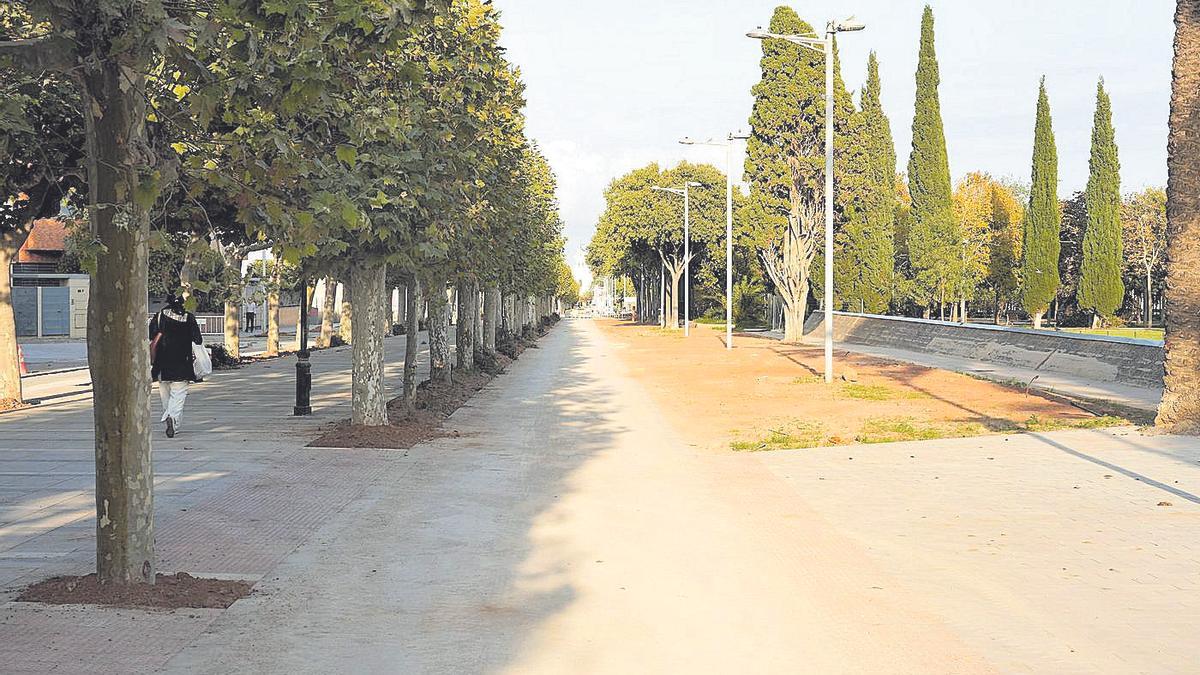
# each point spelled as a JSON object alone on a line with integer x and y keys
{"x": 174, "y": 302}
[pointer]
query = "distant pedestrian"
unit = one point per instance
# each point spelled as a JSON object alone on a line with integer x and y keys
{"x": 173, "y": 331}
{"x": 250, "y": 316}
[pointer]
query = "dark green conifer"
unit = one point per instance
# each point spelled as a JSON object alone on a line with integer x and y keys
{"x": 1043, "y": 219}
{"x": 1101, "y": 289}
{"x": 931, "y": 241}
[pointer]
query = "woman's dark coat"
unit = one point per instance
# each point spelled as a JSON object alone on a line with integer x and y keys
{"x": 173, "y": 359}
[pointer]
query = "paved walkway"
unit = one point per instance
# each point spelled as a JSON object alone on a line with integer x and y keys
{"x": 569, "y": 527}
{"x": 1134, "y": 397}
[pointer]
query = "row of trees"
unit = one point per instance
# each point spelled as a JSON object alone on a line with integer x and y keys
{"x": 378, "y": 142}
{"x": 911, "y": 243}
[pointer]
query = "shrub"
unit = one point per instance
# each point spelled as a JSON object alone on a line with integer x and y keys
{"x": 222, "y": 359}
{"x": 488, "y": 362}
{"x": 399, "y": 329}
{"x": 336, "y": 340}
{"x": 507, "y": 345}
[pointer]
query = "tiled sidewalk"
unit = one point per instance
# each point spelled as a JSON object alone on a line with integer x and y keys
{"x": 234, "y": 494}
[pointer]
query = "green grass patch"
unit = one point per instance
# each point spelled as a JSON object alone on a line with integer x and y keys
{"x": 878, "y": 392}
{"x": 808, "y": 379}
{"x": 1035, "y": 423}
{"x": 897, "y": 429}
{"x": 1139, "y": 333}
{"x": 796, "y": 435}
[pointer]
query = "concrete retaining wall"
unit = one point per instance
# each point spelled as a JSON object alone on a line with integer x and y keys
{"x": 1137, "y": 363}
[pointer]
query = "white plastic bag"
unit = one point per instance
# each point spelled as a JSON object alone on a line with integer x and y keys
{"x": 201, "y": 361}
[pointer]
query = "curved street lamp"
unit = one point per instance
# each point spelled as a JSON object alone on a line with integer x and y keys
{"x": 728, "y": 144}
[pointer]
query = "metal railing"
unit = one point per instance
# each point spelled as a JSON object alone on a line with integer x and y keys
{"x": 210, "y": 324}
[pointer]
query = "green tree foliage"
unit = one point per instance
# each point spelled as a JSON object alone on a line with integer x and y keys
{"x": 934, "y": 244}
{"x": 1070, "y": 261}
{"x": 1144, "y": 223}
{"x": 1004, "y": 247}
{"x": 1101, "y": 289}
{"x": 865, "y": 262}
{"x": 642, "y": 228}
{"x": 1041, "y": 247}
{"x": 784, "y": 219}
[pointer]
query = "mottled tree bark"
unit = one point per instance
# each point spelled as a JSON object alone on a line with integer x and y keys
{"x": 10, "y": 363}
{"x": 411, "y": 342}
{"x": 1180, "y": 408}
{"x": 327, "y": 313}
{"x": 506, "y": 313}
{"x": 346, "y": 327}
{"x": 491, "y": 315}
{"x": 477, "y": 316}
{"x": 113, "y": 101}
{"x": 439, "y": 333}
{"x": 368, "y": 395}
{"x": 465, "y": 335}
{"x": 304, "y": 296}
{"x": 273, "y": 311}
{"x": 233, "y": 328}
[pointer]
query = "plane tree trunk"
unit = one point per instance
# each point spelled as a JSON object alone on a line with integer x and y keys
{"x": 491, "y": 313}
{"x": 273, "y": 311}
{"x": 10, "y": 363}
{"x": 412, "y": 304}
{"x": 327, "y": 313}
{"x": 346, "y": 325}
{"x": 113, "y": 98}
{"x": 465, "y": 335}
{"x": 369, "y": 399}
{"x": 438, "y": 324}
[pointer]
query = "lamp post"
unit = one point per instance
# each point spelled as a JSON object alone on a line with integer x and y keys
{"x": 728, "y": 144}
{"x": 825, "y": 47}
{"x": 687, "y": 252}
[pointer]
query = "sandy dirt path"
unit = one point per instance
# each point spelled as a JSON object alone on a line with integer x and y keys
{"x": 569, "y": 529}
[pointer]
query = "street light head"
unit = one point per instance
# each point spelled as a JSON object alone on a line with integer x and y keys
{"x": 687, "y": 140}
{"x": 849, "y": 25}
{"x": 693, "y": 183}
{"x": 758, "y": 34}
{"x": 739, "y": 136}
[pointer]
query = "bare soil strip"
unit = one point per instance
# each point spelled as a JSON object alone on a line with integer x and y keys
{"x": 766, "y": 395}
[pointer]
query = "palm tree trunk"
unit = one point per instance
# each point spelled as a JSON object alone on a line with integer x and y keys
{"x": 1180, "y": 408}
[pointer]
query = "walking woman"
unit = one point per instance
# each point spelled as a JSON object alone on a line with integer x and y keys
{"x": 173, "y": 331}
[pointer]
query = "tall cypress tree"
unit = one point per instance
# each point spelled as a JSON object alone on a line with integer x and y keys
{"x": 866, "y": 256}
{"x": 1041, "y": 245}
{"x": 1101, "y": 289}
{"x": 931, "y": 245}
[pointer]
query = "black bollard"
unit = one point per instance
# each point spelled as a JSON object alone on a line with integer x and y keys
{"x": 303, "y": 367}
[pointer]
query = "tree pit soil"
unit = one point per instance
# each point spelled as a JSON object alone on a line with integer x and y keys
{"x": 435, "y": 402}
{"x": 11, "y": 404}
{"x": 175, "y": 591}
{"x": 763, "y": 390}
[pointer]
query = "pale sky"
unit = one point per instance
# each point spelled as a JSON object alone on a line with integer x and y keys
{"x": 613, "y": 85}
